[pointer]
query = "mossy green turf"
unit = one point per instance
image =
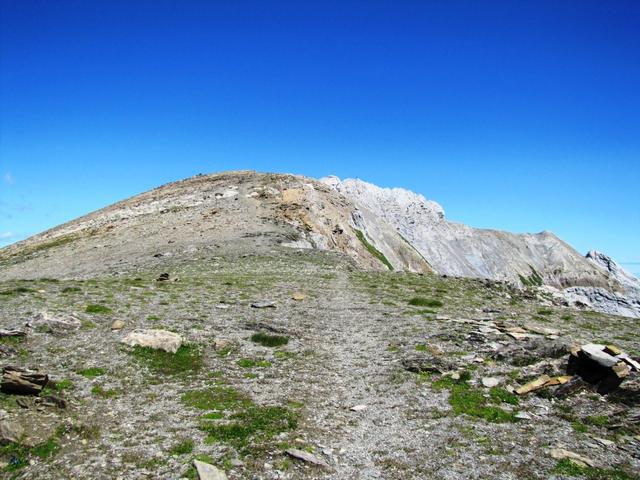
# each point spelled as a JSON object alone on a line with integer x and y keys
{"x": 254, "y": 424}
{"x": 268, "y": 340}
{"x": 425, "y": 302}
{"x": 186, "y": 360}
{"x": 466, "y": 400}
{"x": 92, "y": 372}
{"x": 96, "y": 308}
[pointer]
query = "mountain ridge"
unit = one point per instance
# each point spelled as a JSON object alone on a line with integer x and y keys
{"x": 376, "y": 227}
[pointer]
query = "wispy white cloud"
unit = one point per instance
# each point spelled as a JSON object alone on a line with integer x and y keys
{"x": 8, "y": 178}
{"x": 6, "y": 235}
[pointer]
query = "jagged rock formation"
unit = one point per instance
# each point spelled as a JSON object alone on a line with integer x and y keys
{"x": 627, "y": 280}
{"x": 626, "y": 304}
{"x": 526, "y": 259}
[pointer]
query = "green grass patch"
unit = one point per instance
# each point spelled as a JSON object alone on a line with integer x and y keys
{"x": 99, "y": 391}
{"x": 16, "y": 291}
{"x": 570, "y": 469}
{"x": 92, "y": 372}
{"x": 545, "y": 311}
{"x": 219, "y": 398}
{"x": 61, "y": 385}
{"x": 87, "y": 325}
{"x": 465, "y": 400}
{"x": 18, "y": 456}
{"x": 373, "y": 250}
{"x": 267, "y": 340}
{"x": 500, "y": 395}
{"x": 17, "y": 340}
{"x": 183, "y": 447}
{"x": 254, "y": 424}
{"x": 253, "y": 363}
{"x": 598, "y": 420}
{"x": 283, "y": 354}
{"x": 579, "y": 427}
{"x": 97, "y": 308}
{"x": 425, "y": 302}
{"x": 213, "y": 416}
{"x": 187, "y": 359}
{"x": 71, "y": 290}
{"x": 533, "y": 280}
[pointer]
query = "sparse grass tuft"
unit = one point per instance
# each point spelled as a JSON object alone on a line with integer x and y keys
{"x": 268, "y": 340}
{"x": 215, "y": 398}
{"x": 500, "y": 395}
{"x": 16, "y": 291}
{"x": 99, "y": 391}
{"x": 425, "y": 302}
{"x": 254, "y": 424}
{"x": 252, "y": 362}
{"x": 71, "y": 290}
{"x": 97, "y": 308}
{"x": 373, "y": 250}
{"x": 92, "y": 372}
{"x": 183, "y": 447}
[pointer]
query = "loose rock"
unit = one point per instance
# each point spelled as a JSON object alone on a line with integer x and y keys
{"x": 307, "y": 457}
{"x": 263, "y": 305}
{"x": 54, "y": 324}
{"x": 490, "y": 382}
{"x": 561, "y": 453}
{"x": 206, "y": 471}
{"x": 117, "y": 325}
{"x": 156, "y": 339}
{"x": 23, "y": 382}
{"x": 10, "y": 432}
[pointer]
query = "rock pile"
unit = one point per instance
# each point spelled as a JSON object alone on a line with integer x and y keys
{"x": 605, "y": 366}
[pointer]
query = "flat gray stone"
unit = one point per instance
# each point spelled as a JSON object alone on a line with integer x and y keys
{"x": 206, "y": 471}
{"x": 595, "y": 352}
{"x": 307, "y": 457}
{"x": 10, "y": 432}
{"x": 490, "y": 382}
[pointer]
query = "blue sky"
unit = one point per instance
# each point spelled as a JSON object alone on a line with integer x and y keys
{"x": 522, "y": 116}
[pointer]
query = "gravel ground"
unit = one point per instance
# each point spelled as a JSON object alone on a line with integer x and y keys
{"x": 351, "y": 343}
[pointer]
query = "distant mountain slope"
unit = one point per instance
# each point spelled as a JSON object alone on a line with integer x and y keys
{"x": 229, "y": 213}
{"x": 249, "y": 213}
{"x": 526, "y": 259}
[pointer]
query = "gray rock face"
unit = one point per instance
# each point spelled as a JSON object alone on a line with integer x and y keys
{"x": 454, "y": 249}
{"x": 630, "y": 283}
{"x": 459, "y": 250}
{"x": 602, "y": 300}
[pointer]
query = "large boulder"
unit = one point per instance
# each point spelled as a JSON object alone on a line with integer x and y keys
{"x": 156, "y": 339}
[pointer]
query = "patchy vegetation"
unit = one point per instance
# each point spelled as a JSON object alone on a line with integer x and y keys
{"x": 188, "y": 359}
{"x": 373, "y": 250}
{"x": 268, "y": 340}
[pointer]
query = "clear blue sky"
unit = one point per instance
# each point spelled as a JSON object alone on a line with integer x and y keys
{"x": 515, "y": 115}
